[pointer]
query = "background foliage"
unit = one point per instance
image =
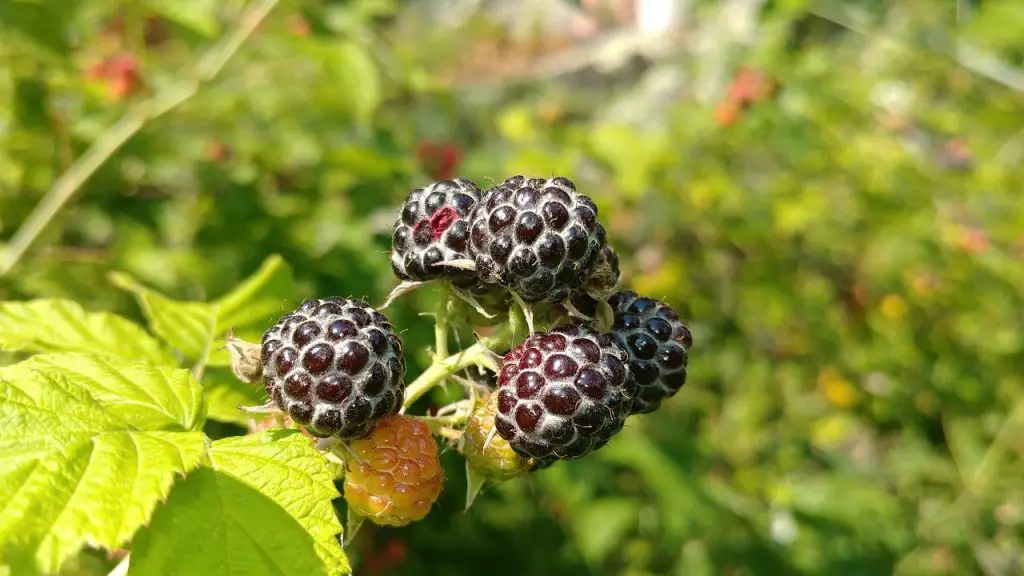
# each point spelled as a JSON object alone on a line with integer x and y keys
{"x": 829, "y": 193}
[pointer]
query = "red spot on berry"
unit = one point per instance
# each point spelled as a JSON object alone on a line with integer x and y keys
{"x": 441, "y": 220}
{"x": 750, "y": 86}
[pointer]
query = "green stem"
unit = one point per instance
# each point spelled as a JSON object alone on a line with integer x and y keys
{"x": 441, "y": 325}
{"x": 438, "y": 424}
{"x": 440, "y": 370}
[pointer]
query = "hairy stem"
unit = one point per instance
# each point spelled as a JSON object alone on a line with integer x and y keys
{"x": 440, "y": 370}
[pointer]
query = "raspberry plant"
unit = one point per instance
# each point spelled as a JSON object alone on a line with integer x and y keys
{"x": 102, "y": 421}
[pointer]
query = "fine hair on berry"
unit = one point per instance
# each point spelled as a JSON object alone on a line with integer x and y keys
{"x": 563, "y": 393}
{"x": 432, "y": 229}
{"x": 658, "y": 345}
{"x": 539, "y": 238}
{"x": 335, "y": 366}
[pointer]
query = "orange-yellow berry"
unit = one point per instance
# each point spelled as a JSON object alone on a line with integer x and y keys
{"x": 485, "y": 449}
{"x": 393, "y": 476}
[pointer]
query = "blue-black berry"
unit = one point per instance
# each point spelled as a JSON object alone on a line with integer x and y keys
{"x": 658, "y": 345}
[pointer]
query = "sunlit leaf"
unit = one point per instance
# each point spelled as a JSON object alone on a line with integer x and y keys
{"x": 63, "y": 326}
{"x": 262, "y": 506}
{"x": 78, "y": 470}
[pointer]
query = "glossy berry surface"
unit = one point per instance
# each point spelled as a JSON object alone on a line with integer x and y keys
{"x": 563, "y": 393}
{"x": 658, "y": 345}
{"x": 485, "y": 449}
{"x": 335, "y": 366}
{"x": 433, "y": 228}
{"x": 393, "y": 476}
{"x": 539, "y": 238}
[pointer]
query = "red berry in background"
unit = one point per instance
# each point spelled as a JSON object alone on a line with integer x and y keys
{"x": 973, "y": 241}
{"x": 120, "y": 73}
{"x": 956, "y": 154}
{"x": 298, "y": 26}
{"x": 439, "y": 159}
{"x": 750, "y": 86}
{"x": 727, "y": 113}
{"x": 217, "y": 151}
{"x": 396, "y": 551}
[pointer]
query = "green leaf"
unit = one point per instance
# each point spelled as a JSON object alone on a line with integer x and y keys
{"x": 259, "y": 299}
{"x": 600, "y": 525}
{"x": 672, "y": 489}
{"x": 357, "y": 71}
{"x": 200, "y": 16}
{"x": 42, "y": 23}
{"x": 966, "y": 444}
{"x": 225, "y": 393}
{"x": 262, "y": 507}
{"x": 77, "y": 472}
{"x": 998, "y": 25}
{"x": 143, "y": 395}
{"x": 475, "y": 481}
{"x": 192, "y": 328}
{"x": 188, "y": 327}
{"x": 52, "y": 325}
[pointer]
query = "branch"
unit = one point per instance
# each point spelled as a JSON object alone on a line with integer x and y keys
{"x": 71, "y": 181}
{"x": 479, "y": 354}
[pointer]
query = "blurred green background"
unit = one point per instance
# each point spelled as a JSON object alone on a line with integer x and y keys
{"x": 829, "y": 192}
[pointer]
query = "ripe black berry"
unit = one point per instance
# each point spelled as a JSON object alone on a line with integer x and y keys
{"x": 335, "y": 366}
{"x": 563, "y": 393}
{"x": 539, "y": 238}
{"x": 658, "y": 346}
{"x": 433, "y": 228}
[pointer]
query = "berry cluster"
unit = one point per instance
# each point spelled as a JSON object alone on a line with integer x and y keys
{"x": 335, "y": 366}
{"x": 565, "y": 392}
{"x": 540, "y": 239}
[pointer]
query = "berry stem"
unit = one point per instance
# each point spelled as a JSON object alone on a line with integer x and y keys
{"x": 441, "y": 325}
{"x": 478, "y": 354}
{"x": 439, "y": 424}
